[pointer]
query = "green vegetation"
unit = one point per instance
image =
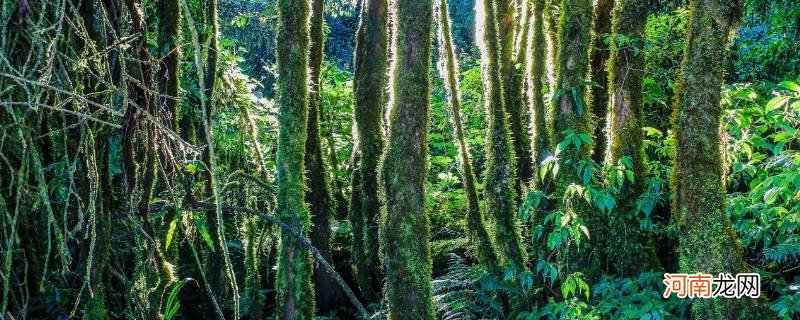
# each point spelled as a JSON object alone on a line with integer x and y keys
{"x": 447, "y": 159}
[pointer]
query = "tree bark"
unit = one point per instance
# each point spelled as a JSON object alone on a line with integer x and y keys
{"x": 499, "y": 178}
{"x": 538, "y": 89}
{"x": 406, "y": 228}
{"x": 598, "y": 95}
{"x": 295, "y": 296}
{"x": 475, "y": 225}
{"x": 628, "y": 250}
{"x": 708, "y": 244}
{"x": 368, "y": 90}
{"x": 319, "y": 197}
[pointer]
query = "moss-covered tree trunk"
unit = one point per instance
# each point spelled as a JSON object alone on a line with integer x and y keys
{"x": 500, "y": 178}
{"x": 319, "y": 197}
{"x": 599, "y": 94}
{"x": 574, "y": 40}
{"x": 368, "y": 88}
{"x": 169, "y": 21}
{"x": 405, "y": 227}
{"x": 511, "y": 61}
{"x": 355, "y": 215}
{"x": 708, "y": 244}
{"x": 475, "y": 225}
{"x": 627, "y": 251}
{"x": 572, "y": 114}
{"x": 538, "y": 89}
{"x": 139, "y": 154}
{"x": 295, "y": 296}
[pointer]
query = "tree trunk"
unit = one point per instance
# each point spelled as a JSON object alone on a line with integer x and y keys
{"x": 295, "y": 295}
{"x": 708, "y": 244}
{"x": 319, "y": 198}
{"x": 406, "y": 229}
{"x": 499, "y": 178}
{"x": 475, "y": 225}
{"x": 628, "y": 250}
{"x": 598, "y": 95}
{"x": 538, "y": 89}
{"x": 368, "y": 89}
{"x": 511, "y": 78}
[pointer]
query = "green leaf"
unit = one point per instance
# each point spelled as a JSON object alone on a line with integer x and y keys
{"x": 170, "y": 233}
{"x": 203, "y": 229}
{"x": 790, "y": 85}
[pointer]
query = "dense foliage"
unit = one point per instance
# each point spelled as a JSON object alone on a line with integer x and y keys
{"x": 117, "y": 203}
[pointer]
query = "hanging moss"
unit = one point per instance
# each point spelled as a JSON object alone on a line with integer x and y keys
{"x": 368, "y": 89}
{"x": 708, "y": 244}
{"x": 500, "y": 178}
{"x": 405, "y": 227}
{"x": 598, "y": 95}
{"x": 295, "y": 296}
{"x": 625, "y": 246}
{"x": 475, "y": 225}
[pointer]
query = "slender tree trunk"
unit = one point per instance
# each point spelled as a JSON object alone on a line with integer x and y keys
{"x": 169, "y": 37}
{"x": 355, "y": 215}
{"x": 538, "y": 89}
{"x": 499, "y": 178}
{"x": 598, "y": 95}
{"x": 295, "y": 294}
{"x": 406, "y": 228}
{"x": 140, "y": 175}
{"x": 368, "y": 89}
{"x": 319, "y": 196}
{"x": 511, "y": 76}
{"x": 475, "y": 224}
{"x": 708, "y": 244}
{"x": 628, "y": 251}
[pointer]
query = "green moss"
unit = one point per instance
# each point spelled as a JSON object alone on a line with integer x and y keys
{"x": 598, "y": 95}
{"x": 368, "y": 88}
{"x": 707, "y": 241}
{"x": 169, "y": 35}
{"x": 572, "y": 67}
{"x": 475, "y": 225}
{"x": 405, "y": 227}
{"x": 295, "y": 296}
{"x": 319, "y": 197}
{"x": 625, "y": 246}
{"x": 500, "y": 176}
{"x": 538, "y": 88}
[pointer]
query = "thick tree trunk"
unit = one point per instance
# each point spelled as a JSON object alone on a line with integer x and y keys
{"x": 499, "y": 178}
{"x": 405, "y": 228}
{"x": 628, "y": 250}
{"x": 598, "y": 95}
{"x": 708, "y": 244}
{"x": 319, "y": 197}
{"x": 295, "y": 294}
{"x": 574, "y": 39}
{"x": 368, "y": 89}
{"x": 475, "y": 225}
